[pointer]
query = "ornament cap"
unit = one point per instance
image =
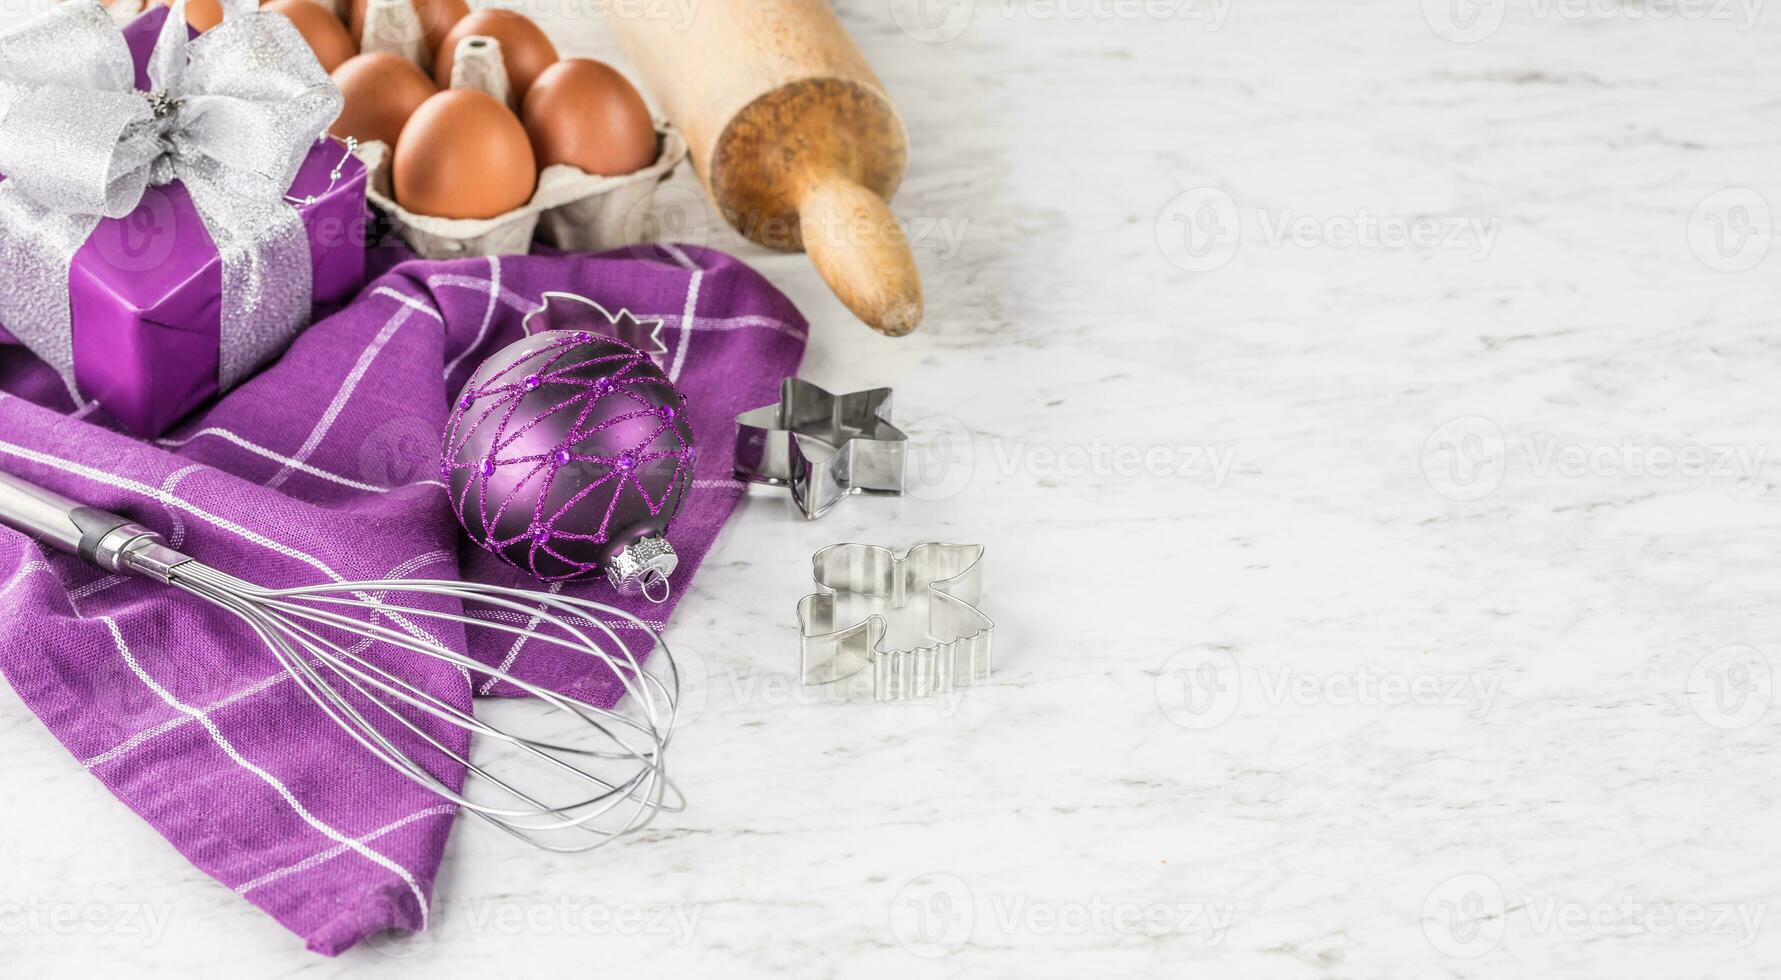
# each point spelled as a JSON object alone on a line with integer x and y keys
{"x": 642, "y": 568}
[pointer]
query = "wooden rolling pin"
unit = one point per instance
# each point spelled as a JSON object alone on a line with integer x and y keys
{"x": 793, "y": 135}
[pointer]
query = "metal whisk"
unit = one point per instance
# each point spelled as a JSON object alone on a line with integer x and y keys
{"x": 615, "y": 782}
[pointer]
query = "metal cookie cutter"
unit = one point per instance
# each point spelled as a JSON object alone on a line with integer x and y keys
{"x": 821, "y": 445}
{"x": 568, "y": 311}
{"x": 867, "y": 626}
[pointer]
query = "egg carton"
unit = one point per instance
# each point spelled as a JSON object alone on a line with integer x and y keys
{"x": 571, "y": 209}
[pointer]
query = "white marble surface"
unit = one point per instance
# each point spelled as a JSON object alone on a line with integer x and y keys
{"x": 1428, "y": 664}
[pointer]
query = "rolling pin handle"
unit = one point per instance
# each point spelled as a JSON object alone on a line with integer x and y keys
{"x": 861, "y": 250}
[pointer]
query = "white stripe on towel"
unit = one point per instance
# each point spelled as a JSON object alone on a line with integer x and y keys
{"x": 342, "y": 396}
{"x": 686, "y": 324}
{"x": 488, "y": 316}
{"x": 288, "y": 462}
{"x": 222, "y": 742}
{"x": 322, "y": 857}
{"x": 408, "y": 301}
{"x": 407, "y": 568}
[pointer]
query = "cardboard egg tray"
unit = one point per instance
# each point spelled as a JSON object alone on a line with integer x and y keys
{"x": 571, "y": 209}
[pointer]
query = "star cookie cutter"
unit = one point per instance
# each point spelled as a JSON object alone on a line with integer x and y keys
{"x": 846, "y": 635}
{"x": 821, "y": 445}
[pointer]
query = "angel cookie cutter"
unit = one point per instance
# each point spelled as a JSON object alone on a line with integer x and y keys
{"x": 866, "y": 629}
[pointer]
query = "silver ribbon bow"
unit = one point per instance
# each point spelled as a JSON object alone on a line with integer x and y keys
{"x": 231, "y": 115}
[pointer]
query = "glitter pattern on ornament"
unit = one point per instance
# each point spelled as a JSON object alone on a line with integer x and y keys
{"x": 564, "y": 450}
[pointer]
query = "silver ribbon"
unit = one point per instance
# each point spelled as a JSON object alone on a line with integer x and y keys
{"x": 231, "y": 115}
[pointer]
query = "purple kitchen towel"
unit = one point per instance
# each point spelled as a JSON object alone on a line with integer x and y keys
{"x": 325, "y": 466}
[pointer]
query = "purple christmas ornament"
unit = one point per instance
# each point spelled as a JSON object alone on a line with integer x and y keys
{"x": 568, "y": 454}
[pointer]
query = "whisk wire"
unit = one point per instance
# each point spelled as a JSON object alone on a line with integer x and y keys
{"x": 278, "y": 616}
{"x": 616, "y": 763}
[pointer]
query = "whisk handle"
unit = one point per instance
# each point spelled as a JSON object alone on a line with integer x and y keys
{"x": 67, "y": 525}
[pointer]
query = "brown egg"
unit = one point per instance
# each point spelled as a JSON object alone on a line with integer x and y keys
{"x": 464, "y": 155}
{"x": 325, "y": 33}
{"x": 201, "y": 14}
{"x": 382, "y": 91}
{"x": 583, "y": 112}
{"x": 436, "y": 17}
{"x": 524, "y": 49}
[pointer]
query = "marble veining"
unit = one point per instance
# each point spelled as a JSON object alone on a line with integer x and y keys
{"x": 1368, "y": 411}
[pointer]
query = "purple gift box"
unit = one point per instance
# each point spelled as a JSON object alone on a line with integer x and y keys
{"x": 146, "y": 289}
